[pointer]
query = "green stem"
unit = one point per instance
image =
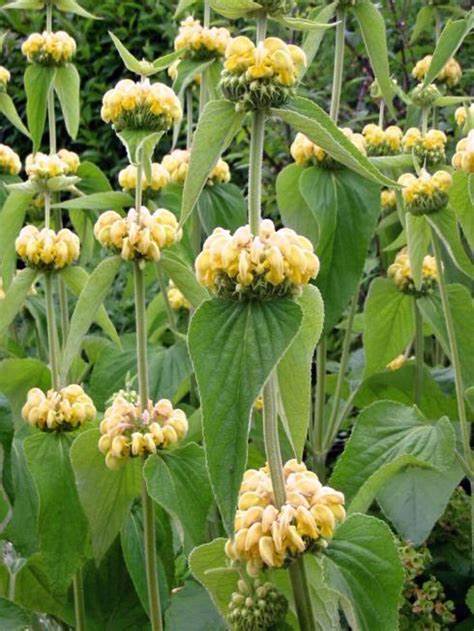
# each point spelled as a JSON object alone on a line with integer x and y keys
{"x": 332, "y": 428}
{"x": 49, "y": 16}
{"x": 255, "y": 170}
{"x": 189, "y": 118}
{"x": 169, "y": 310}
{"x": 299, "y": 583}
{"x": 204, "y": 92}
{"x": 140, "y": 318}
{"x": 425, "y": 112}
{"x": 453, "y": 345}
{"x": 79, "y": 606}
{"x": 381, "y": 112}
{"x": 419, "y": 354}
{"x": 338, "y": 66}
{"x": 318, "y": 419}
{"x": 139, "y": 188}
{"x": 151, "y": 561}
{"x": 52, "y": 332}
{"x": 47, "y": 210}
{"x": 52, "y": 122}
{"x": 262, "y": 23}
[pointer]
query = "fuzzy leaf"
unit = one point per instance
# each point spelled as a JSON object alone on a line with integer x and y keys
{"x": 67, "y": 84}
{"x": 16, "y": 296}
{"x": 38, "y": 82}
{"x": 8, "y": 109}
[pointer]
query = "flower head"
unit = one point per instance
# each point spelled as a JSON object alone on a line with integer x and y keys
{"x": 382, "y": 142}
{"x": 241, "y": 265}
{"x": 388, "y": 199}
{"x": 4, "y": 78}
{"x": 401, "y": 274}
{"x": 159, "y": 178}
{"x": 267, "y": 536}
{"x": 177, "y": 165}
{"x": 464, "y": 115}
{"x": 141, "y": 105}
{"x": 176, "y": 298}
{"x": 200, "y": 42}
{"x": 397, "y": 363}
{"x": 429, "y": 147}
{"x": 463, "y": 159}
{"x": 305, "y": 152}
{"x": 63, "y": 410}
{"x": 140, "y": 235}
{"x": 49, "y": 49}
{"x": 127, "y": 430}
{"x": 450, "y": 74}
{"x": 46, "y": 249}
{"x": 41, "y": 166}
{"x": 10, "y": 163}
{"x": 426, "y": 193}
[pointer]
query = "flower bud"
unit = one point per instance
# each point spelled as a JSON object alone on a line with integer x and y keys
{"x": 64, "y": 410}
{"x": 49, "y": 49}
{"x": 401, "y": 274}
{"x": 10, "y": 163}
{"x": 425, "y": 194}
{"x": 463, "y": 159}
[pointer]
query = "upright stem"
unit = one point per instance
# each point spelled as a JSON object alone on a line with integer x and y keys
{"x": 425, "y": 112}
{"x": 163, "y": 289}
{"x": 49, "y": 16}
{"x": 318, "y": 421}
{"x": 52, "y": 332}
{"x": 140, "y": 319}
{"x": 47, "y": 210}
{"x": 262, "y": 23}
{"x": 79, "y": 606}
{"x": 151, "y": 561}
{"x": 381, "y": 112}
{"x": 298, "y": 577}
{"x": 338, "y": 66}
{"x": 255, "y": 170}
{"x": 419, "y": 353}
{"x": 139, "y": 188}
{"x": 204, "y": 92}
{"x": 189, "y": 118}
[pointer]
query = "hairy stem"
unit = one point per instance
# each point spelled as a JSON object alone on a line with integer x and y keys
{"x": 300, "y": 585}
{"x": 338, "y": 66}
{"x": 262, "y": 23}
{"x": 381, "y": 112}
{"x": 151, "y": 561}
{"x": 425, "y": 112}
{"x": 255, "y": 170}
{"x": 140, "y": 319}
{"x": 79, "y": 605}
{"x": 204, "y": 91}
{"x": 419, "y": 354}
{"x": 189, "y": 118}
{"x": 318, "y": 419}
{"x": 52, "y": 332}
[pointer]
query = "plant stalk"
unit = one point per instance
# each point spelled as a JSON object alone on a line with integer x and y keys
{"x": 189, "y": 118}
{"x": 255, "y": 170}
{"x": 79, "y": 605}
{"x": 338, "y": 66}
{"x": 262, "y": 23}
{"x": 169, "y": 310}
{"x": 381, "y": 113}
{"x": 425, "y": 112}
{"x": 300, "y": 585}
{"x": 140, "y": 319}
{"x": 318, "y": 420}
{"x": 151, "y": 561}
{"x": 204, "y": 91}
{"x": 52, "y": 332}
{"x": 419, "y": 354}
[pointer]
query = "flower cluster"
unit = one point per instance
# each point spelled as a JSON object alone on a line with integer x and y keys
{"x": 382, "y": 142}
{"x": 139, "y": 235}
{"x": 463, "y": 159}
{"x": 426, "y": 193}
{"x": 305, "y": 152}
{"x": 4, "y": 77}
{"x": 159, "y": 178}
{"x": 63, "y": 410}
{"x": 177, "y": 165}
{"x": 10, "y": 162}
{"x": 429, "y": 147}
{"x": 256, "y": 606}
{"x": 200, "y": 42}
{"x": 388, "y": 199}
{"x": 176, "y": 298}
{"x": 262, "y": 76}
{"x": 464, "y": 115}
{"x": 141, "y": 105}
{"x": 401, "y": 274}
{"x": 47, "y": 250}
{"x": 273, "y": 263}
{"x": 397, "y": 363}
{"x": 49, "y": 49}
{"x": 40, "y": 166}
{"x": 268, "y": 536}
{"x": 129, "y": 431}
{"x": 449, "y": 75}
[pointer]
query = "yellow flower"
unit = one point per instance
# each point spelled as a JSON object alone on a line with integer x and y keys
{"x": 464, "y": 114}
{"x": 450, "y": 74}
{"x": 388, "y": 199}
{"x": 177, "y": 165}
{"x": 201, "y": 42}
{"x": 381, "y": 142}
{"x": 159, "y": 178}
{"x": 401, "y": 274}
{"x": 396, "y": 363}
{"x": 421, "y": 68}
{"x": 139, "y": 235}
{"x": 49, "y": 49}
{"x": 305, "y": 152}
{"x": 141, "y": 105}
{"x": 63, "y": 410}
{"x": 40, "y": 166}
{"x": 10, "y": 162}
{"x": 265, "y": 536}
{"x": 129, "y": 431}
{"x": 176, "y": 298}
{"x": 71, "y": 160}
{"x": 46, "y": 249}
{"x": 463, "y": 159}
{"x": 4, "y": 76}
{"x": 428, "y": 147}
{"x": 275, "y": 262}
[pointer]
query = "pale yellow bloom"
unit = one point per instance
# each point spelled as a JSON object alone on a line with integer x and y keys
{"x": 401, "y": 274}
{"x": 41, "y": 166}
{"x": 305, "y": 152}
{"x": 10, "y": 162}
{"x": 462, "y": 114}
{"x": 177, "y": 165}
{"x": 380, "y": 142}
{"x": 159, "y": 178}
{"x": 428, "y": 147}
{"x": 396, "y": 363}
{"x": 426, "y": 193}
{"x": 463, "y": 159}
{"x": 450, "y": 74}
{"x": 4, "y": 76}
{"x": 176, "y": 298}
{"x": 46, "y": 249}
{"x": 201, "y": 42}
{"x": 49, "y": 49}
{"x": 66, "y": 409}
{"x": 388, "y": 199}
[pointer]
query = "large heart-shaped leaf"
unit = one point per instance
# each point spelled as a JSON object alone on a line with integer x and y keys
{"x": 222, "y": 205}
{"x": 294, "y": 210}
{"x": 234, "y": 346}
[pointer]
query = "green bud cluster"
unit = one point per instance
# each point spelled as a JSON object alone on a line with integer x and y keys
{"x": 424, "y": 96}
{"x": 256, "y": 606}
{"x": 253, "y": 95}
{"x": 260, "y": 290}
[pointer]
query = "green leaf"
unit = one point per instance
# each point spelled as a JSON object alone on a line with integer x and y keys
{"x": 106, "y": 496}
{"x": 414, "y": 500}
{"x": 424, "y": 22}
{"x": 98, "y": 201}
{"x": 17, "y": 376}
{"x": 210, "y": 567}
{"x": 62, "y": 523}
{"x": 177, "y": 480}
{"x": 129, "y": 60}
{"x": 218, "y": 125}
{"x": 401, "y": 162}
{"x": 13, "y": 617}
{"x": 16, "y": 296}
{"x": 39, "y": 81}
{"x": 372, "y": 26}
{"x": 362, "y": 563}
{"x": 307, "y": 117}
{"x": 191, "y": 609}
{"x": 460, "y": 302}
{"x": 67, "y": 84}
{"x": 294, "y": 210}
{"x": 449, "y": 41}
{"x": 234, "y": 347}
{"x": 90, "y": 300}
{"x": 346, "y": 208}
{"x": 418, "y": 238}
{"x": 183, "y": 5}
{"x": 183, "y": 277}
{"x": 140, "y": 145}
{"x": 313, "y": 39}
{"x": 470, "y": 598}
{"x": 71, "y": 6}
{"x": 93, "y": 179}
{"x": 294, "y": 370}
{"x": 445, "y": 224}
{"x": 222, "y": 205}
{"x": 188, "y": 70}
{"x": 233, "y": 9}
{"x": 302, "y": 24}
{"x": 392, "y": 324}
{"x": 165, "y": 61}
{"x": 8, "y": 109}
{"x": 462, "y": 204}
{"x": 34, "y": 5}
{"x": 383, "y": 433}
{"x": 76, "y": 279}
{"x": 12, "y": 216}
